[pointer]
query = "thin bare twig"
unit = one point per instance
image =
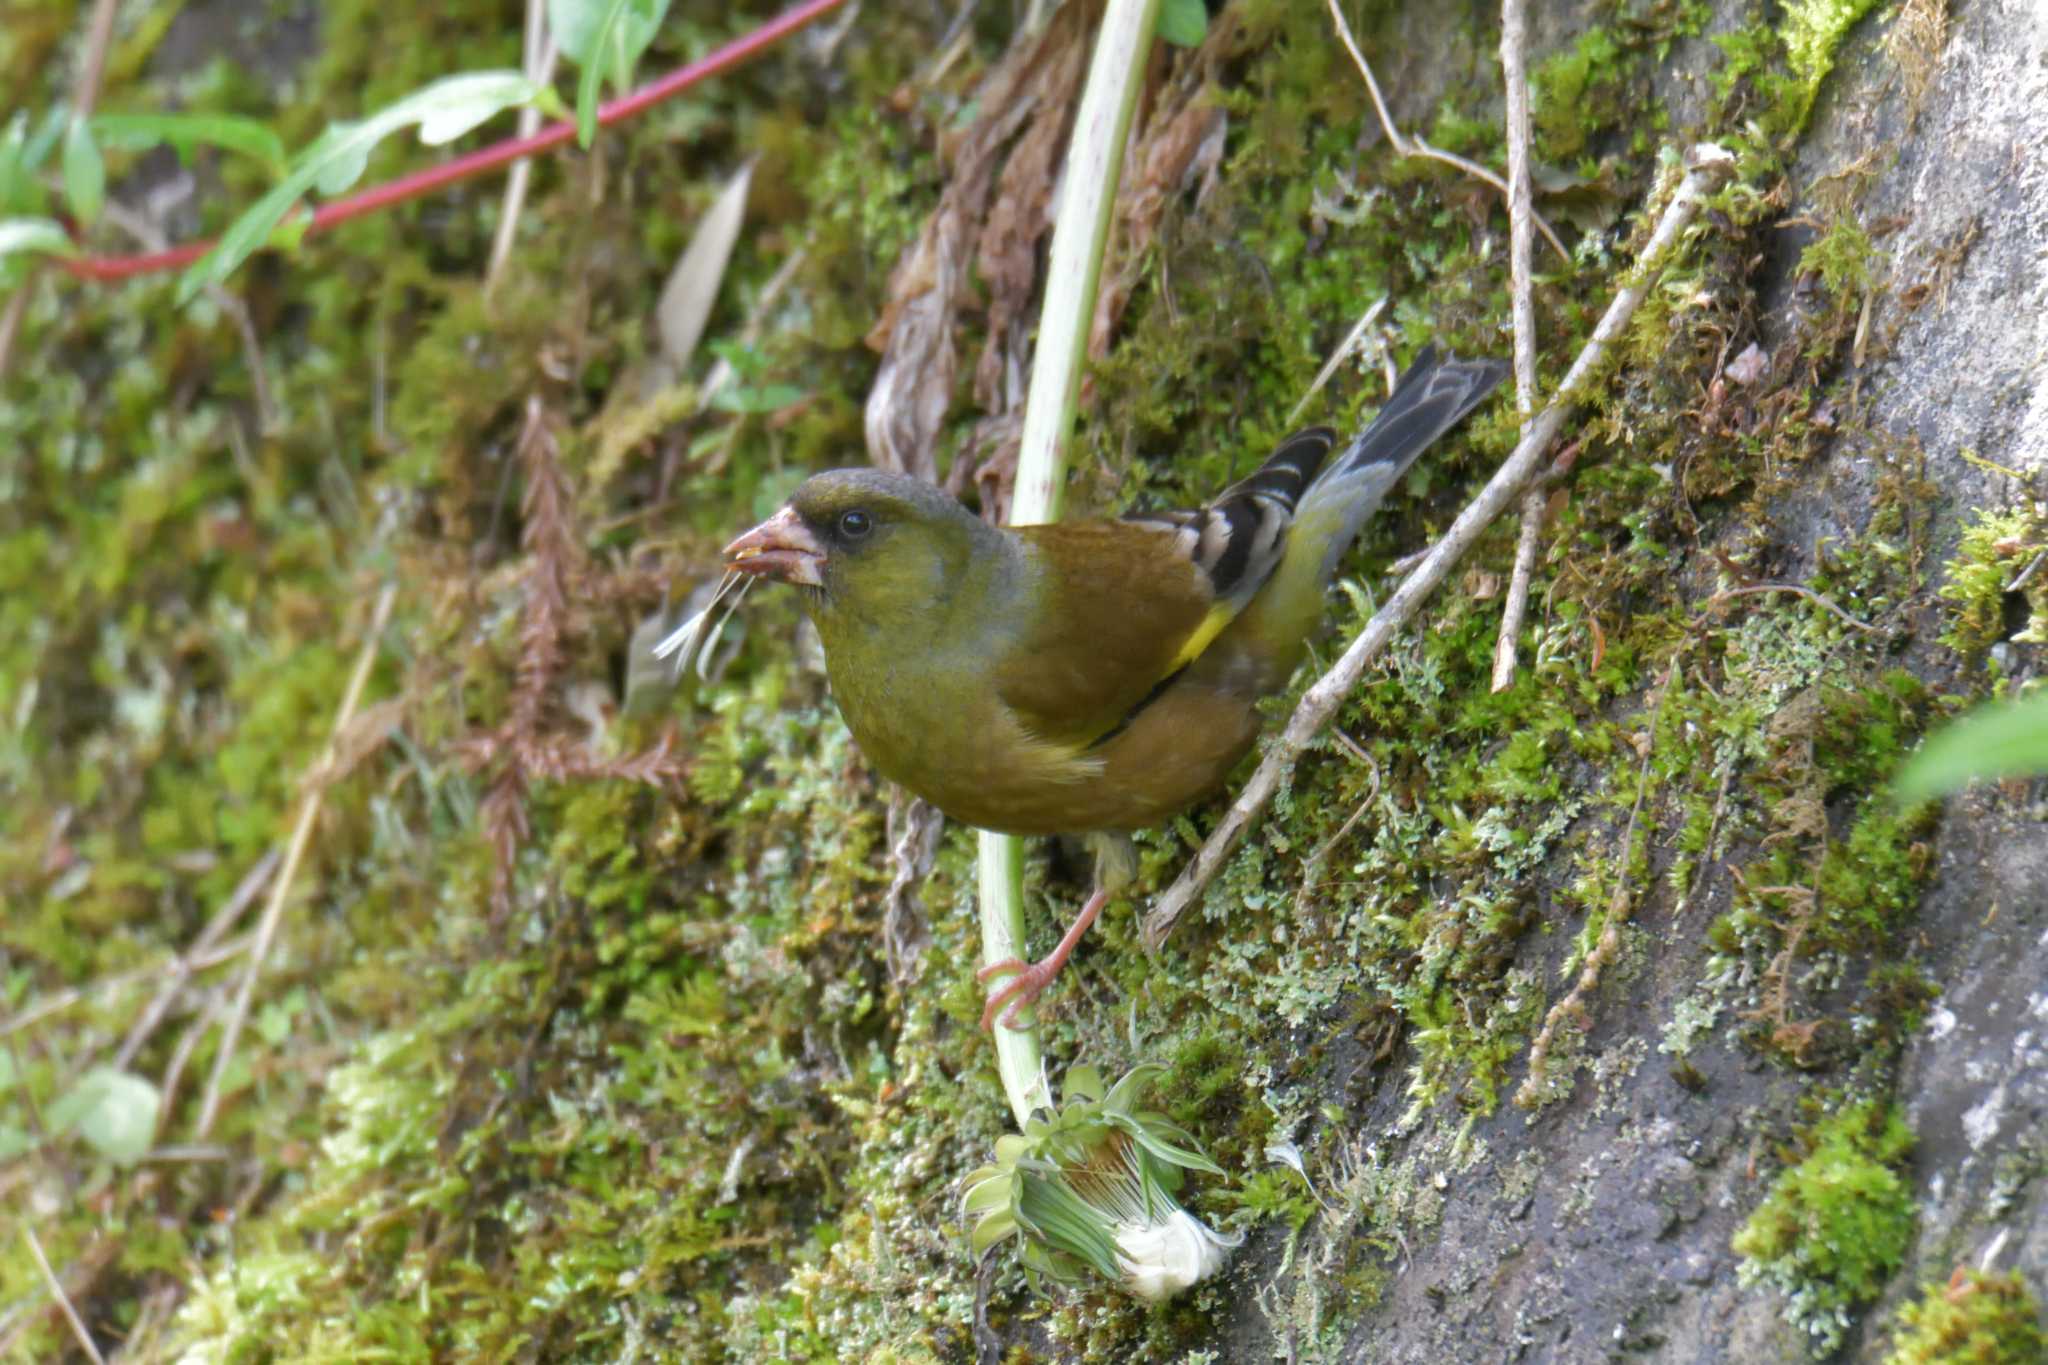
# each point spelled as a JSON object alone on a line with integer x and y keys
{"x": 280, "y": 889}
{"x": 63, "y": 1000}
{"x": 2026, "y": 575}
{"x": 92, "y": 63}
{"x": 1708, "y": 167}
{"x": 174, "y": 1070}
{"x": 540, "y": 69}
{"x": 1407, "y": 146}
{"x": 1514, "y": 25}
{"x": 84, "y": 1337}
{"x": 1808, "y": 593}
{"x": 1337, "y": 357}
{"x": 181, "y": 969}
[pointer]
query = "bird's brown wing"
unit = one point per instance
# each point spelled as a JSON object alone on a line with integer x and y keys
{"x": 1128, "y": 604}
{"x": 1118, "y": 605}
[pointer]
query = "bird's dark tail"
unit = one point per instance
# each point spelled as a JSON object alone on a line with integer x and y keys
{"x": 1434, "y": 395}
{"x": 1329, "y": 507}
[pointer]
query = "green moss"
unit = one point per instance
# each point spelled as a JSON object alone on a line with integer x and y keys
{"x": 1834, "y": 1227}
{"x": 1843, "y": 257}
{"x": 1977, "y": 1318}
{"x": 1574, "y": 92}
{"x": 1813, "y": 32}
{"x": 1996, "y": 545}
{"x": 1782, "y": 65}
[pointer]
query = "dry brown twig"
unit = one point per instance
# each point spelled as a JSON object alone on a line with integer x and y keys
{"x": 295, "y": 852}
{"x": 1407, "y": 146}
{"x": 1707, "y": 168}
{"x": 913, "y": 836}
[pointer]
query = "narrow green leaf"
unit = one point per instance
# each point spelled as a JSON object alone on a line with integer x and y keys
{"x": 1160, "y": 1147}
{"x": 454, "y": 105}
{"x": 246, "y": 136}
{"x": 85, "y": 173}
{"x": 1126, "y": 1090}
{"x": 22, "y": 154}
{"x": 2002, "y": 739}
{"x": 18, "y": 189}
{"x": 43, "y": 235}
{"x": 340, "y": 157}
{"x": 1184, "y": 23}
{"x": 605, "y": 39}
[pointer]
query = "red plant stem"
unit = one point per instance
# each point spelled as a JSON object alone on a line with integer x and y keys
{"x": 487, "y": 158}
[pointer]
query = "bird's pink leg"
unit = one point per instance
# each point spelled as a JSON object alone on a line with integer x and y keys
{"x": 1027, "y": 979}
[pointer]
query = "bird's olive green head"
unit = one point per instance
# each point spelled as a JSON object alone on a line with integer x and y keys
{"x": 869, "y": 545}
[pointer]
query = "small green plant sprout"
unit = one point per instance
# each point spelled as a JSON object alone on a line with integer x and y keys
{"x": 1996, "y": 740}
{"x": 1977, "y": 1318}
{"x": 1093, "y": 1186}
{"x": 1836, "y": 1226}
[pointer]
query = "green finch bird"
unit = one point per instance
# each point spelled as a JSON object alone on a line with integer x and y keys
{"x": 1091, "y": 677}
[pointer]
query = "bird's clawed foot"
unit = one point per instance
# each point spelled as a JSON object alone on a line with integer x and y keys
{"x": 1027, "y": 979}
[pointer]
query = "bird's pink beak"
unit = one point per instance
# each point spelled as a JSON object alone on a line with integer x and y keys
{"x": 781, "y": 548}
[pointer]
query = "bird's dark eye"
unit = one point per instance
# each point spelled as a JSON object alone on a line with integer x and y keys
{"x": 855, "y": 524}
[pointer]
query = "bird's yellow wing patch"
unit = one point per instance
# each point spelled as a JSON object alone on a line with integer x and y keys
{"x": 1220, "y": 615}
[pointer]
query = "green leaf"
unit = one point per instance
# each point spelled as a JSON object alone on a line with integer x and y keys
{"x": 2001, "y": 739}
{"x": 184, "y": 132}
{"x": 991, "y": 1230}
{"x": 1126, "y": 1090}
{"x": 1184, "y": 23}
{"x": 22, "y": 154}
{"x": 993, "y": 1193}
{"x": 1163, "y": 1150}
{"x": 44, "y": 235}
{"x": 442, "y": 111}
{"x": 1082, "y": 1082}
{"x": 85, "y": 174}
{"x": 114, "y": 1111}
{"x": 605, "y": 39}
{"x": 455, "y": 105}
{"x": 766, "y": 398}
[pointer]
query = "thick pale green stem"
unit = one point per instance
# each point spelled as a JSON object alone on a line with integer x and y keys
{"x": 1080, "y": 230}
